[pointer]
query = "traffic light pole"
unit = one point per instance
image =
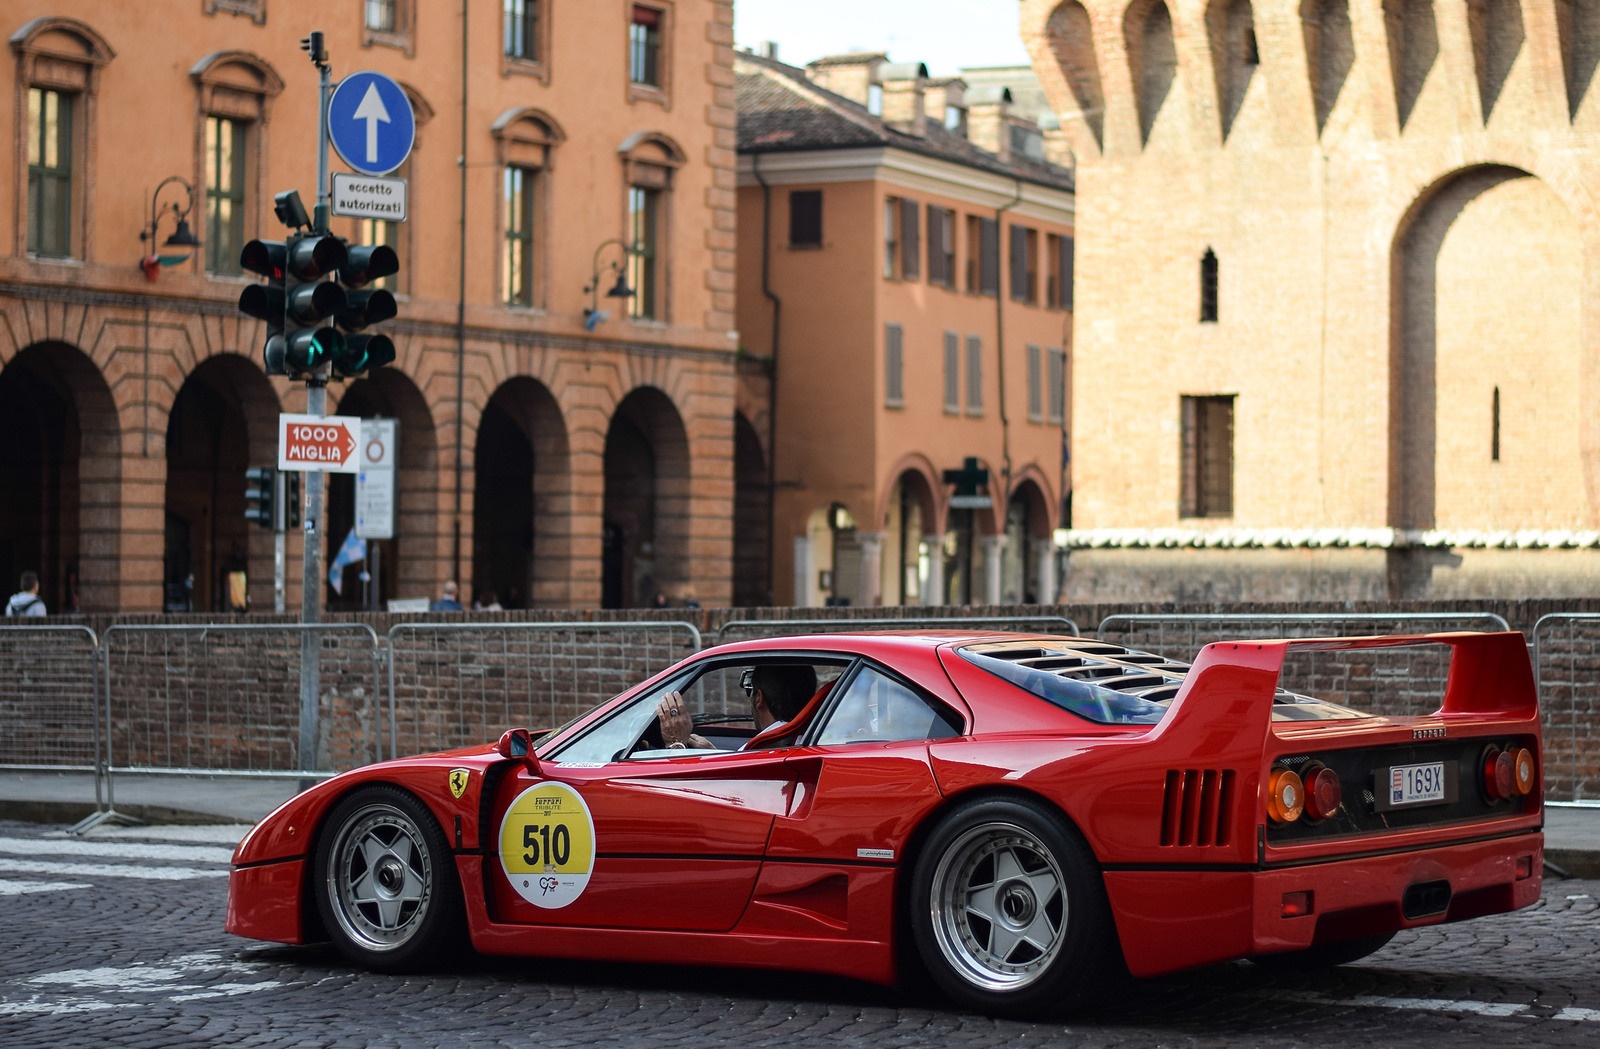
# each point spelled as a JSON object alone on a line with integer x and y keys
{"x": 316, "y": 404}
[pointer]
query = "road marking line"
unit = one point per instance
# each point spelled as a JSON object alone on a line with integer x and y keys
{"x": 22, "y": 888}
{"x": 1438, "y": 1005}
{"x": 120, "y": 850}
{"x": 1572, "y": 1012}
{"x": 106, "y": 870}
{"x": 226, "y": 990}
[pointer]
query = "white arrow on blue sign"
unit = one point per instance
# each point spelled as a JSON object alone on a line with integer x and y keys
{"x": 370, "y": 123}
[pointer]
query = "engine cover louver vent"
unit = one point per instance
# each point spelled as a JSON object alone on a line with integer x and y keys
{"x": 1196, "y": 807}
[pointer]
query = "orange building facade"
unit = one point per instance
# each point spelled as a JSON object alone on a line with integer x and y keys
{"x": 905, "y": 260}
{"x": 547, "y": 461}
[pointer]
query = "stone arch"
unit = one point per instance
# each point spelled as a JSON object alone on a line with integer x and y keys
{"x": 223, "y": 421}
{"x": 1027, "y": 575}
{"x": 236, "y": 82}
{"x": 1413, "y": 38}
{"x": 60, "y": 478}
{"x": 1070, "y": 33}
{"x": 751, "y": 580}
{"x": 913, "y": 570}
{"x": 522, "y": 516}
{"x": 1330, "y": 52}
{"x": 1487, "y": 277}
{"x": 407, "y": 563}
{"x": 1231, "y": 29}
{"x": 1152, "y": 59}
{"x": 645, "y": 539}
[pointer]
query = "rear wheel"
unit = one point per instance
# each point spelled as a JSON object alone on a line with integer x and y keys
{"x": 385, "y": 885}
{"x": 1007, "y": 910}
{"x": 1326, "y": 955}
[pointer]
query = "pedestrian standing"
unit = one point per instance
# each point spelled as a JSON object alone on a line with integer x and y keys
{"x": 27, "y": 602}
{"x": 447, "y": 601}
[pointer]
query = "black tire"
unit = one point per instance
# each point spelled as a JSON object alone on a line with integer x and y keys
{"x": 1032, "y": 936}
{"x": 385, "y": 883}
{"x": 1325, "y": 955}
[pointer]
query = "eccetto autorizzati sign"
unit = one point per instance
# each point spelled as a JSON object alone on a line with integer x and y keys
{"x": 314, "y": 442}
{"x": 368, "y": 197}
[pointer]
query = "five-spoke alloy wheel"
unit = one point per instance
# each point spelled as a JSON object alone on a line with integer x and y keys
{"x": 386, "y": 890}
{"x": 1006, "y": 909}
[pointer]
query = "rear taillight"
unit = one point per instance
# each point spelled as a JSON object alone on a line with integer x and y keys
{"x": 1499, "y": 774}
{"x": 1324, "y": 793}
{"x": 1522, "y": 771}
{"x": 1286, "y": 796}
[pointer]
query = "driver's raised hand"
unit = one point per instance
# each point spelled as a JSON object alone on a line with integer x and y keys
{"x": 676, "y": 725}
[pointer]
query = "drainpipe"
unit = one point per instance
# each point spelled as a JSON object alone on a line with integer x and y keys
{"x": 772, "y": 374}
{"x": 461, "y": 307}
{"x": 1000, "y": 353}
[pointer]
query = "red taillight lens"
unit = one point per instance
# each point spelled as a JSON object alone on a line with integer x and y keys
{"x": 1296, "y": 904}
{"x": 1498, "y": 774}
{"x": 1524, "y": 867}
{"x": 1286, "y": 796}
{"x": 1522, "y": 771}
{"x": 1324, "y": 793}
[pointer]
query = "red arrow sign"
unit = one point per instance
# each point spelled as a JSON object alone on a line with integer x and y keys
{"x": 310, "y": 442}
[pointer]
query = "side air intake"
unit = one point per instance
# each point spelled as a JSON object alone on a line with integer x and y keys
{"x": 1196, "y": 806}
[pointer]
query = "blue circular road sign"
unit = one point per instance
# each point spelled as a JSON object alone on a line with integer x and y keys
{"x": 370, "y": 123}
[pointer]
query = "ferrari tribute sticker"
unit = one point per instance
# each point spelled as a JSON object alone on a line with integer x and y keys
{"x": 547, "y": 845}
{"x": 458, "y": 781}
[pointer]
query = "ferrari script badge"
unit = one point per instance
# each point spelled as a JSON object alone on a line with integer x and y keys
{"x": 458, "y": 781}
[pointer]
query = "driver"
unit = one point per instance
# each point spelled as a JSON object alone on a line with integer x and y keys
{"x": 777, "y": 693}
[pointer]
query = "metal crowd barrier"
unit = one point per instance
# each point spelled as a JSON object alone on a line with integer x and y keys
{"x": 1566, "y": 668}
{"x": 754, "y": 628}
{"x": 224, "y": 699}
{"x": 50, "y": 703}
{"x": 459, "y": 684}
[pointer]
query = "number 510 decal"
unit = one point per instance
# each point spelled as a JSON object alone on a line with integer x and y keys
{"x": 547, "y": 845}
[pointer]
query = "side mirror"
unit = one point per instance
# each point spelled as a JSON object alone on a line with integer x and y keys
{"x": 516, "y": 744}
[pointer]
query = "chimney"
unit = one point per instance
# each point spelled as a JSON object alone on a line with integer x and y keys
{"x": 768, "y": 49}
{"x": 904, "y": 85}
{"x": 1057, "y": 150}
{"x": 944, "y": 100}
{"x": 988, "y": 108}
{"x": 852, "y": 75}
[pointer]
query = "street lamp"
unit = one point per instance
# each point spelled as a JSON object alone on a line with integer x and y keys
{"x": 182, "y": 236}
{"x": 593, "y": 314}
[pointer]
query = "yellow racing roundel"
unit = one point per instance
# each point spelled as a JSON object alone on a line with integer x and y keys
{"x": 547, "y": 845}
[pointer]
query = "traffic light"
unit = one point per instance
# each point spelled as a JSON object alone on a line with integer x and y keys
{"x": 309, "y": 300}
{"x": 265, "y": 301}
{"x": 291, "y": 499}
{"x": 364, "y": 306}
{"x": 261, "y": 496}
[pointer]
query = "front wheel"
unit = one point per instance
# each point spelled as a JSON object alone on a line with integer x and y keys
{"x": 385, "y": 885}
{"x": 1008, "y": 913}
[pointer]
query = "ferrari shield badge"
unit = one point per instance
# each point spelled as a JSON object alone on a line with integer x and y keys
{"x": 547, "y": 845}
{"x": 458, "y": 781}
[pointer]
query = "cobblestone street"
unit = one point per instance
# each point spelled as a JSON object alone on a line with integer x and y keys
{"x": 117, "y": 940}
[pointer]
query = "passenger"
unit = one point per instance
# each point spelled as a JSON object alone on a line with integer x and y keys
{"x": 777, "y": 693}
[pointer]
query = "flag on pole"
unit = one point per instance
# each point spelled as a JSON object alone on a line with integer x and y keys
{"x": 353, "y": 550}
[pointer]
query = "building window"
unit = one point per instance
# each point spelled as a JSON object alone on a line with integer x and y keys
{"x": 1024, "y": 264}
{"x": 974, "y": 375}
{"x": 387, "y": 22}
{"x": 1207, "y": 455}
{"x": 1058, "y": 272}
{"x": 522, "y": 29}
{"x": 941, "y": 246}
{"x": 49, "y": 172}
{"x": 910, "y": 240}
{"x": 805, "y": 218}
{"x": 875, "y": 99}
{"x": 894, "y": 363}
{"x": 983, "y": 255}
{"x": 516, "y": 271}
{"x": 644, "y": 46}
{"x": 382, "y": 16}
{"x": 1035, "y": 386}
{"x": 1057, "y": 383}
{"x": 952, "y": 373}
{"x": 644, "y": 224}
{"x": 1208, "y": 286}
{"x": 225, "y": 208}
{"x": 1494, "y": 427}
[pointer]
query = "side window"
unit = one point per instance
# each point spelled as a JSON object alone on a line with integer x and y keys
{"x": 876, "y": 708}
{"x": 613, "y": 738}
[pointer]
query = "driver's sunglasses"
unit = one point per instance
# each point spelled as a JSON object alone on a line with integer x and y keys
{"x": 747, "y": 682}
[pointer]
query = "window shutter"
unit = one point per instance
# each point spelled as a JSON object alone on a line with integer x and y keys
{"x": 1019, "y": 263}
{"x": 974, "y": 375}
{"x": 1035, "y": 408}
{"x": 1066, "y": 271}
{"x": 893, "y": 336}
{"x": 952, "y": 372}
{"x": 1189, "y": 481}
{"x": 1058, "y": 385}
{"x": 936, "y": 274}
{"x": 910, "y": 242}
{"x": 988, "y": 257}
{"x": 1216, "y": 447}
{"x": 805, "y": 218}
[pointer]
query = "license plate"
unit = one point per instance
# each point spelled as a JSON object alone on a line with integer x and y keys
{"x": 1402, "y": 786}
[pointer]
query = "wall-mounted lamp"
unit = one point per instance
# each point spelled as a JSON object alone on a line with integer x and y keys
{"x": 594, "y": 315}
{"x": 182, "y": 236}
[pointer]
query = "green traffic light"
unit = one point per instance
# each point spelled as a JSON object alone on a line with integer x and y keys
{"x": 310, "y": 348}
